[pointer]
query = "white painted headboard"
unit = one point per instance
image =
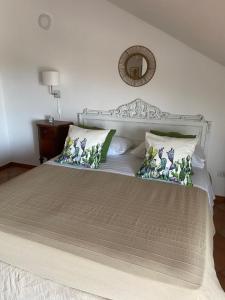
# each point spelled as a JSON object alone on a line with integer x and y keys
{"x": 136, "y": 117}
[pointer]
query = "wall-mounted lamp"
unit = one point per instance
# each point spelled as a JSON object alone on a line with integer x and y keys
{"x": 51, "y": 79}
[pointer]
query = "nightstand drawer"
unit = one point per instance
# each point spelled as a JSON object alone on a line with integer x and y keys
{"x": 47, "y": 133}
{"x": 48, "y": 148}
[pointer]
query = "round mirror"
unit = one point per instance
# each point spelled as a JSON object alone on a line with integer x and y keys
{"x": 137, "y": 65}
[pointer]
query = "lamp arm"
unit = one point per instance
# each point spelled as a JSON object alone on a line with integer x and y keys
{"x": 58, "y": 108}
{"x": 55, "y": 93}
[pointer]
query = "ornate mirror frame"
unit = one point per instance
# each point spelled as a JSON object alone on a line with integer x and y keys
{"x": 150, "y": 61}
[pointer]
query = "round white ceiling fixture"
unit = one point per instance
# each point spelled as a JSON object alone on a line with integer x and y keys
{"x": 45, "y": 21}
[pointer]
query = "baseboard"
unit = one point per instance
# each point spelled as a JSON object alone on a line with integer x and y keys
{"x": 219, "y": 199}
{"x": 4, "y": 166}
{"x": 15, "y": 164}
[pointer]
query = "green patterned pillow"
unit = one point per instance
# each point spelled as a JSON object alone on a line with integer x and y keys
{"x": 168, "y": 159}
{"x": 83, "y": 147}
{"x": 173, "y": 134}
{"x": 107, "y": 142}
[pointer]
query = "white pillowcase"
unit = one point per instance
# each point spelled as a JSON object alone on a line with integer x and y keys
{"x": 139, "y": 151}
{"x": 83, "y": 147}
{"x": 119, "y": 145}
{"x": 183, "y": 146}
{"x": 92, "y": 137}
{"x": 168, "y": 159}
{"x": 198, "y": 157}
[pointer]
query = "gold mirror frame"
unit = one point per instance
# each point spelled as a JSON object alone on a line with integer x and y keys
{"x": 150, "y": 61}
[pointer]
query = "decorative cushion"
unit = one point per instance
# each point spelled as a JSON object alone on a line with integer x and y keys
{"x": 168, "y": 159}
{"x": 119, "y": 145}
{"x": 197, "y": 161}
{"x": 83, "y": 147}
{"x": 139, "y": 151}
{"x": 198, "y": 158}
{"x": 107, "y": 142}
{"x": 106, "y": 145}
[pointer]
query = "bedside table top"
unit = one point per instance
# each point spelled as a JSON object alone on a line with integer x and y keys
{"x": 54, "y": 124}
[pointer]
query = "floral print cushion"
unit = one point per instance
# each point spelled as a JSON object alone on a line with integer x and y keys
{"x": 168, "y": 159}
{"x": 83, "y": 147}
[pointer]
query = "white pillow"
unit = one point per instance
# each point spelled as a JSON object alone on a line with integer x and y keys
{"x": 139, "y": 151}
{"x": 198, "y": 158}
{"x": 168, "y": 159}
{"x": 83, "y": 147}
{"x": 183, "y": 146}
{"x": 119, "y": 145}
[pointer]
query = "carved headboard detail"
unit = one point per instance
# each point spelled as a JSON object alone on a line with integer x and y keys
{"x": 143, "y": 110}
{"x": 143, "y": 115}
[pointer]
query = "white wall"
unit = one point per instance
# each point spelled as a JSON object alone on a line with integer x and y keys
{"x": 4, "y": 141}
{"x": 84, "y": 44}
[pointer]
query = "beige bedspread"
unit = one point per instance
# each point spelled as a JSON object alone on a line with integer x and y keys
{"x": 111, "y": 235}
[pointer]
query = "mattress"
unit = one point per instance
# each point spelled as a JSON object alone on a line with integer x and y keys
{"x": 154, "y": 238}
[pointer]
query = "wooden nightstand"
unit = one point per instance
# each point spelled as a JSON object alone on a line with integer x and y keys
{"x": 51, "y": 138}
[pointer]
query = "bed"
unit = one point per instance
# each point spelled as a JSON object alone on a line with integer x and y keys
{"x": 69, "y": 233}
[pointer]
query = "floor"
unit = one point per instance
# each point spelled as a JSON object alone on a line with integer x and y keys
{"x": 219, "y": 242}
{"x": 11, "y": 171}
{"x": 219, "y": 221}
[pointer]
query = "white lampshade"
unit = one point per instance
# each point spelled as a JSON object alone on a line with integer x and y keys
{"x": 50, "y": 78}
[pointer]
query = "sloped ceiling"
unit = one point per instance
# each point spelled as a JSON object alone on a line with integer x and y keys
{"x": 200, "y": 24}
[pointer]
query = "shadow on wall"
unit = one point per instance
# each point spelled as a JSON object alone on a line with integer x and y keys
{"x": 35, "y": 139}
{"x": 29, "y": 151}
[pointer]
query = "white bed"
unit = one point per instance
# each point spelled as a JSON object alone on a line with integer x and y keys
{"x": 18, "y": 284}
{"x": 128, "y": 164}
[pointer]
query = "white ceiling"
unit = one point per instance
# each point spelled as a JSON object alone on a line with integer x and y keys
{"x": 200, "y": 24}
